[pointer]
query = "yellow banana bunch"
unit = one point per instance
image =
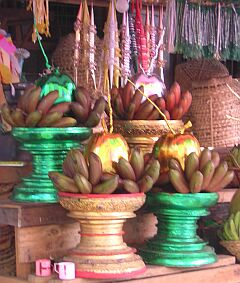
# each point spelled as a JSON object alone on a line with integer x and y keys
{"x": 34, "y": 111}
{"x": 230, "y": 230}
{"x": 204, "y": 173}
{"x": 135, "y": 175}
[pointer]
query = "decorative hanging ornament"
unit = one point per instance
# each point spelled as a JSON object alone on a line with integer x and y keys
{"x": 109, "y": 147}
{"x": 40, "y": 10}
{"x": 92, "y": 48}
{"x": 57, "y": 81}
{"x": 77, "y": 28}
{"x": 122, "y": 6}
{"x": 177, "y": 146}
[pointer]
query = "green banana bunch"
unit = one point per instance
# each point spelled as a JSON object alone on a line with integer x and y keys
{"x": 234, "y": 157}
{"x": 135, "y": 175}
{"x": 204, "y": 173}
{"x": 230, "y": 231}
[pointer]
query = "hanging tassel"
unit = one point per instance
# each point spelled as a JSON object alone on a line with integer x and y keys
{"x": 217, "y": 54}
{"x": 92, "y": 48}
{"x": 171, "y": 25}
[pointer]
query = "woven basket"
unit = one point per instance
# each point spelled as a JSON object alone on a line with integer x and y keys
{"x": 208, "y": 82}
{"x": 233, "y": 247}
{"x": 63, "y": 57}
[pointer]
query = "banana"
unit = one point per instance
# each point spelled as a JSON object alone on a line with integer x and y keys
{"x": 127, "y": 94}
{"x": 145, "y": 184}
{"x": 93, "y": 119}
{"x": 99, "y": 106}
{"x": 236, "y": 220}
{"x": 79, "y": 162}
{"x": 118, "y": 106}
{"x": 106, "y": 176}
{"x": 68, "y": 167}
{"x": 144, "y": 112}
{"x": 205, "y": 156}
{"x": 170, "y": 102}
{"x": 80, "y": 112}
{"x": 207, "y": 171}
{"x": 137, "y": 98}
{"x": 84, "y": 186}
{"x": 167, "y": 114}
{"x": 178, "y": 181}
{"x": 218, "y": 176}
{"x": 63, "y": 183}
{"x": 175, "y": 164}
{"x": 33, "y": 119}
{"x": 95, "y": 168}
{"x": 130, "y": 112}
{"x": 47, "y": 101}
{"x": 65, "y": 122}
{"x": 176, "y": 90}
{"x": 215, "y": 158}
{"x": 6, "y": 113}
{"x": 187, "y": 95}
{"x": 137, "y": 162}
{"x": 63, "y": 107}
{"x": 23, "y": 100}
{"x": 234, "y": 157}
{"x": 238, "y": 158}
{"x": 191, "y": 165}
{"x": 196, "y": 181}
{"x": 125, "y": 170}
{"x": 49, "y": 119}
{"x": 227, "y": 231}
{"x": 106, "y": 187}
{"x": 18, "y": 118}
{"x": 33, "y": 99}
{"x": 154, "y": 170}
{"x": 82, "y": 97}
{"x": 233, "y": 230}
{"x": 160, "y": 102}
{"x": 130, "y": 186}
{"x": 184, "y": 104}
{"x": 114, "y": 92}
{"x": 154, "y": 115}
{"x": 227, "y": 179}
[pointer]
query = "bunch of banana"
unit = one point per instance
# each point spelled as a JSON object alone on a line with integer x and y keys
{"x": 234, "y": 157}
{"x": 80, "y": 176}
{"x": 230, "y": 230}
{"x": 33, "y": 111}
{"x": 204, "y": 173}
{"x": 129, "y": 104}
{"x": 177, "y": 103}
{"x": 83, "y": 111}
{"x": 136, "y": 175}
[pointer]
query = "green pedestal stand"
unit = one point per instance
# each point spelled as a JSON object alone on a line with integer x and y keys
{"x": 176, "y": 243}
{"x": 48, "y": 147}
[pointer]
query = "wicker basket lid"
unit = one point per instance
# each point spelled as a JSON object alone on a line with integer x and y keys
{"x": 204, "y": 72}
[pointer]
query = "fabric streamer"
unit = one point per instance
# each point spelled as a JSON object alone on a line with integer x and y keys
{"x": 40, "y": 10}
{"x": 204, "y": 29}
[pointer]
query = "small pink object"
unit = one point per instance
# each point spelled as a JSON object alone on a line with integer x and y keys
{"x": 43, "y": 267}
{"x": 65, "y": 270}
